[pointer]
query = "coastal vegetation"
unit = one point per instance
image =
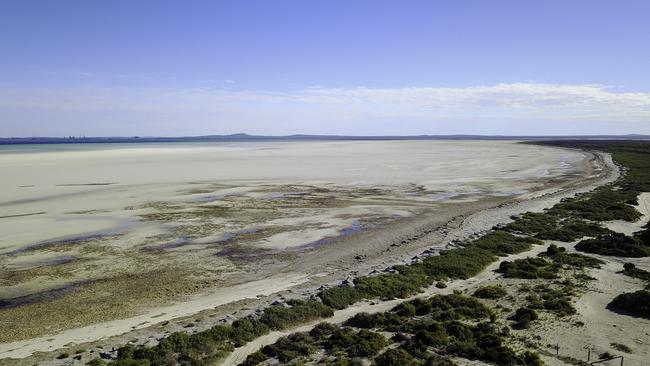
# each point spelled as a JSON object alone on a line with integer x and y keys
{"x": 490, "y": 292}
{"x": 633, "y": 303}
{"x": 205, "y": 347}
{"x": 615, "y": 244}
{"x": 425, "y": 330}
{"x": 551, "y": 225}
{"x": 629, "y": 269}
{"x": 462, "y": 263}
{"x": 577, "y": 217}
{"x": 547, "y": 264}
{"x": 523, "y": 317}
{"x": 555, "y": 300}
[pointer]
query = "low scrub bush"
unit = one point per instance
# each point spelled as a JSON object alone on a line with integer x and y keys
{"x": 559, "y": 256}
{"x": 523, "y": 317}
{"x": 632, "y": 303}
{"x": 552, "y": 225}
{"x": 279, "y": 317}
{"x": 419, "y": 326}
{"x": 553, "y": 300}
{"x": 615, "y": 244}
{"x": 395, "y": 357}
{"x": 629, "y": 269}
{"x": 490, "y": 292}
{"x": 340, "y": 297}
{"x": 529, "y": 268}
{"x": 289, "y": 348}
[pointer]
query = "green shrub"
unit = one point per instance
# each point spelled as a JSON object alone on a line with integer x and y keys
{"x": 529, "y": 358}
{"x": 629, "y": 269}
{"x": 490, "y": 292}
{"x": 395, "y": 357}
{"x": 432, "y": 337}
{"x": 554, "y": 300}
{"x": 323, "y": 330}
{"x": 340, "y": 297}
{"x": 553, "y": 225}
{"x": 632, "y": 303}
{"x": 523, "y": 317}
{"x": 279, "y": 317}
{"x": 291, "y": 347}
{"x": 367, "y": 344}
{"x": 529, "y": 268}
{"x": 387, "y": 286}
{"x": 561, "y": 307}
{"x": 96, "y": 362}
{"x": 559, "y": 256}
{"x": 130, "y": 362}
{"x": 247, "y": 329}
{"x": 363, "y": 343}
{"x": 615, "y": 244}
{"x": 254, "y": 359}
{"x": 502, "y": 243}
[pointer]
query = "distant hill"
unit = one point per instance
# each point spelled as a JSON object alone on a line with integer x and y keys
{"x": 246, "y": 137}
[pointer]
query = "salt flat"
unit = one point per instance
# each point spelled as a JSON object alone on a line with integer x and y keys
{"x": 70, "y": 192}
{"x": 100, "y": 232}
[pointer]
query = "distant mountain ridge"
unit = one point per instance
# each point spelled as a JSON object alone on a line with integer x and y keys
{"x": 299, "y": 137}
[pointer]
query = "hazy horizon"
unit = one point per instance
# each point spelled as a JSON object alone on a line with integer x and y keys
{"x": 324, "y": 67}
{"x": 73, "y": 137}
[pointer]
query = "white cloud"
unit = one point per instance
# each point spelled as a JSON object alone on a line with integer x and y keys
{"x": 316, "y": 106}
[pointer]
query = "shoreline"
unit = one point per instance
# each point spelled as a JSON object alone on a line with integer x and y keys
{"x": 472, "y": 224}
{"x": 468, "y": 228}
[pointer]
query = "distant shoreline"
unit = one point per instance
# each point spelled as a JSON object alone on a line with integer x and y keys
{"x": 242, "y": 137}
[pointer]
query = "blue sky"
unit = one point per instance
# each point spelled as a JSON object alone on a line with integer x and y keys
{"x": 332, "y": 67}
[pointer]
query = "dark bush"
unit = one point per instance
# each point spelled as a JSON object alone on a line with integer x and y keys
{"x": 340, "y": 297}
{"x": 395, "y": 357}
{"x": 291, "y": 347}
{"x": 529, "y": 358}
{"x": 254, "y": 359}
{"x": 523, "y": 317}
{"x": 366, "y": 344}
{"x": 299, "y": 311}
{"x": 490, "y": 292}
{"x": 529, "y": 268}
{"x": 615, "y": 244}
{"x": 632, "y": 303}
{"x": 559, "y": 256}
{"x": 96, "y": 362}
{"x": 323, "y": 330}
{"x": 631, "y": 270}
{"x": 245, "y": 330}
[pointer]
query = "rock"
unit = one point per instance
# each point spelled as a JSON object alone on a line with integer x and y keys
{"x": 348, "y": 283}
